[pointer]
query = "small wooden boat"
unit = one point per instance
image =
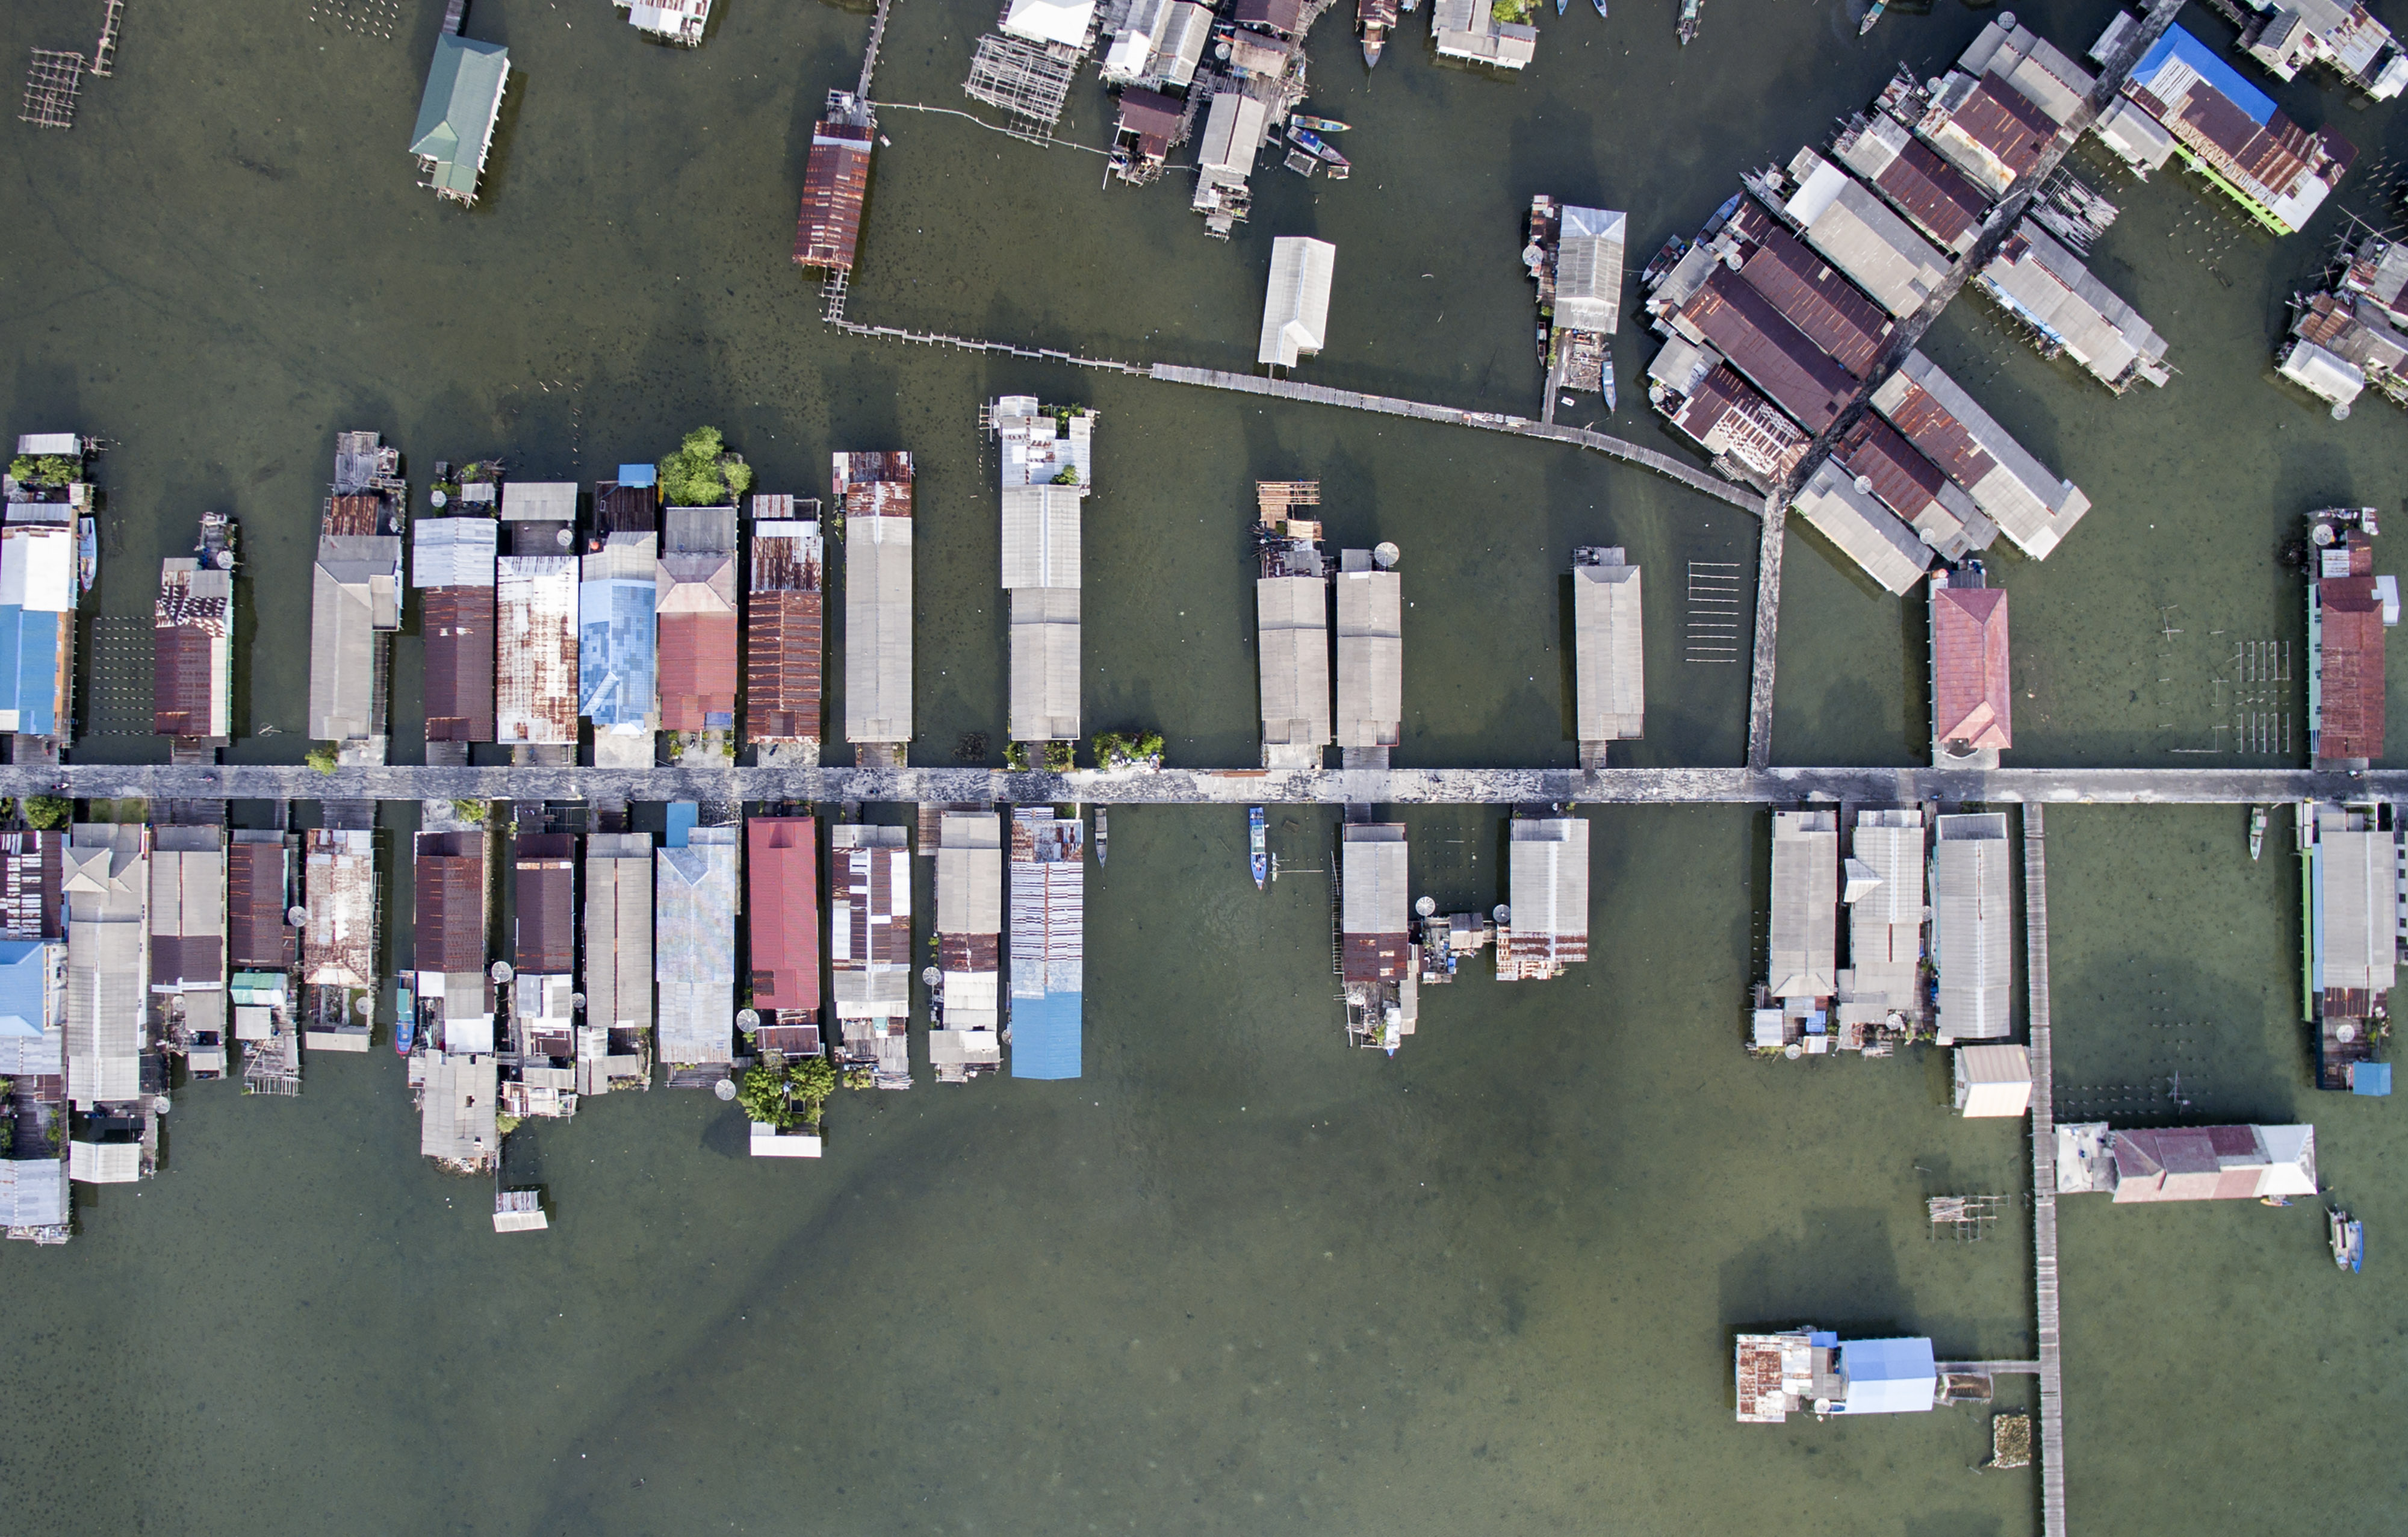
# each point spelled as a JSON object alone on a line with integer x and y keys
{"x": 1689, "y": 22}
{"x": 1319, "y": 126}
{"x": 1872, "y": 14}
{"x": 1373, "y": 21}
{"x": 1600, "y": 9}
{"x": 2256, "y": 832}
{"x": 2348, "y": 1237}
{"x": 1559, "y": 7}
{"x": 1306, "y": 139}
{"x": 87, "y": 554}
{"x": 1103, "y": 837}
{"x": 1258, "y": 856}
{"x": 405, "y": 1022}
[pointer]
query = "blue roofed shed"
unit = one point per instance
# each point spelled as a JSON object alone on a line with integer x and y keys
{"x": 1887, "y": 1376}
{"x": 640, "y": 475}
{"x": 24, "y": 985}
{"x": 29, "y": 670}
{"x": 2178, "y": 50}
{"x": 1045, "y": 1034}
{"x": 2372, "y": 1079}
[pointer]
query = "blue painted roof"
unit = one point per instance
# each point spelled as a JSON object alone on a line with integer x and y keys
{"x": 640, "y": 475}
{"x": 2372, "y": 1079}
{"x": 1045, "y": 1036}
{"x": 682, "y": 817}
{"x": 1888, "y": 1376}
{"x": 615, "y": 642}
{"x": 29, "y": 668}
{"x": 2178, "y": 44}
{"x": 22, "y": 978}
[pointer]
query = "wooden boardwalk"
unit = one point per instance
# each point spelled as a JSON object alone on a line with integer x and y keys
{"x": 1769, "y": 544}
{"x": 2044, "y": 1136}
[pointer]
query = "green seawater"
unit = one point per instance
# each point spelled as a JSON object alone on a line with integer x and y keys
{"x": 1236, "y": 1278}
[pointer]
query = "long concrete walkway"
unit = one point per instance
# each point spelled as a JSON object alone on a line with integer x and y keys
{"x": 2044, "y": 1151}
{"x": 1216, "y": 786}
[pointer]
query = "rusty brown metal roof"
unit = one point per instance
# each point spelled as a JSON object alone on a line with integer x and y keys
{"x": 32, "y": 899}
{"x": 836, "y": 180}
{"x": 2008, "y": 123}
{"x": 2350, "y": 655}
{"x": 1373, "y": 957}
{"x": 1811, "y": 296}
{"x": 625, "y": 508}
{"x": 355, "y": 512}
{"x": 459, "y": 664}
{"x": 1900, "y": 475}
{"x": 873, "y": 486}
{"x": 449, "y": 931}
{"x": 782, "y": 666}
{"x": 257, "y": 884}
{"x": 1934, "y": 430}
{"x": 543, "y": 905}
{"x": 183, "y": 680}
{"x": 1934, "y": 194}
{"x": 1775, "y": 355}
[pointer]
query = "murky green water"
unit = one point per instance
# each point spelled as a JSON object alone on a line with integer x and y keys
{"x": 1235, "y": 1278}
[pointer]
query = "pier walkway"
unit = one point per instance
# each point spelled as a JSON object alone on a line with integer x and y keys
{"x": 2044, "y": 1136}
{"x": 1212, "y": 786}
{"x": 1770, "y": 540}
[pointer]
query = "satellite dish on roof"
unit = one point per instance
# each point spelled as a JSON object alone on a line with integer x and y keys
{"x": 1865, "y": 484}
{"x": 724, "y": 1088}
{"x": 563, "y": 538}
{"x": 2345, "y": 1033}
{"x": 2007, "y": 20}
{"x": 748, "y": 1019}
{"x": 1221, "y": 51}
{"x": 297, "y": 916}
{"x": 223, "y": 560}
{"x": 1793, "y": 1051}
{"x": 162, "y": 1105}
{"x": 2341, "y": 411}
{"x": 502, "y": 972}
{"x": 1384, "y": 555}
{"x": 1502, "y": 914}
{"x": 1426, "y": 905}
{"x": 577, "y": 1000}
{"x": 366, "y": 1006}
{"x": 2320, "y": 533}
{"x": 438, "y": 499}
{"x": 929, "y": 974}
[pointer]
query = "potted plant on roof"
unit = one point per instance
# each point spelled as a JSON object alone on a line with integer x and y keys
{"x": 702, "y": 472}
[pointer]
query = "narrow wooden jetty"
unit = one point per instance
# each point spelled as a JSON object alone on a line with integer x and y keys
{"x": 869, "y": 55}
{"x": 2044, "y": 1136}
{"x": 1770, "y": 541}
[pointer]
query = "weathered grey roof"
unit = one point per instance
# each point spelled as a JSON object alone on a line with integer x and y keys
{"x": 1548, "y": 889}
{"x": 453, "y": 552}
{"x": 2048, "y": 287}
{"x": 2359, "y": 876}
{"x": 104, "y": 1163}
{"x": 355, "y": 593}
{"x": 2030, "y": 505}
{"x": 107, "y": 880}
{"x": 539, "y": 501}
{"x": 1371, "y": 658}
{"x": 1804, "y": 935}
{"x": 1974, "y": 925}
{"x": 1610, "y": 660}
{"x": 534, "y": 688}
{"x": 338, "y": 888}
{"x": 1885, "y": 924}
{"x": 1866, "y": 532}
{"x": 1372, "y": 879}
{"x": 456, "y": 1113}
{"x": 187, "y": 912}
{"x": 878, "y": 629}
{"x": 1589, "y": 269}
{"x": 694, "y": 945}
{"x": 1044, "y": 664}
{"x": 1292, "y": 618}
{"x": 970, "y": 874}
{"x": 1862, "y": 237}
{"x": 619, "y": 929}
{"x": 1041, "y": 536}
{"x": 34, "y": 1192}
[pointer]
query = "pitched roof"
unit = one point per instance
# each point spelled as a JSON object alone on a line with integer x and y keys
{"x": 781, "y": 881}
{"x": 1972, "y": 701}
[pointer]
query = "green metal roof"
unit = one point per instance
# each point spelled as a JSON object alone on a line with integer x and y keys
{"x": 464, "y": 94}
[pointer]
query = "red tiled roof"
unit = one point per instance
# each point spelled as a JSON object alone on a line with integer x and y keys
{"x": 1972, "y": 701}
{"x": 697, "y": 671}
{"x": 782, "y": 904}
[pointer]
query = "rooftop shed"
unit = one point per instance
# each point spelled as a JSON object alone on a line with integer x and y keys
{"x": 1992, "y": 1081}
{"x": 1295, "y": 305}
{"x": 1972, "y": 931}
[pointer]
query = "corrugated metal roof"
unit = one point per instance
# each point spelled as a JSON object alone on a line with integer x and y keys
{"x": 193, "y": 641}
{"x": 1548, "y": 892}
{"x": 1370, "y": 659}
{"x": 107, "y": 880}
{"x": 697, "y": 606}
{"x": 1803, "y": 947}
{"x": 1866, "y": 532}
{"x": 456, "y": 1105}
{"x": 694, "y": 955}
{"x": 1761, "y": 343}
{"x": 539, "y": 501}
{"x": 1726, "y": 414}
{"x": 616, "y": 637}
{"x": 2031, "y": 506}
{"x": 339, "y": 947}
{"x": 38, "y": 593}
{"x": 1885, "y": 924}
{"x": 619, "y": 930}
{"x": 878, "y": 629}
{"x": 970, "y": 874}
{"x": 1292, "y": 620}
{"x": 783, "y": 633}
{"x": 1296, "y": 305}
{"x": 1972, "y": 699}
{"x": 33, "y": 898}
{"x": 1864, "y": 239}
{"x": 2046, "y": 286}
{"x": 2358, "y": 906}
{"x": 535, "y": 697}
{"x": 1588, "y": 268}
{"x": 1811, "y": 296}
{"x": 2348, "y": 721}
{"x": 836, "y": 181}
{"x": 1372, "y": 901}
{"x": 258, "y": 881}
{"x": 1048, "y": 873}
{"x": 457, "y": 624}
{"x": 1041, "y": 536}
{"x": 543, "y": 905}
{"x": 453, "y": 552}
{"x": 353, "y": 599}
{"x": 1044, "y": 664}
{"x": 869, "y": 921}
{"x": 187, "y": 911}
{"x": 448, "y": 886}
{"x": 782, "y": 878}
{"x": 1610, "y": 661}
{"x": 1974, "y": 925}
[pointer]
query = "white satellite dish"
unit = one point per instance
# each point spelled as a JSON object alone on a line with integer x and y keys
{"x": 724, "y": 1088}
{"x": 297, "y": 916}
{"x": 1503, "y": 914}
{"x": 929, "y": 974}
{"x": 1386, "y": 555}
{"x": 502, "y": 972}
{"x": 748, "y": 1019}
{"x": 366, "y": 1007}
{"x": 1426, "y": 905}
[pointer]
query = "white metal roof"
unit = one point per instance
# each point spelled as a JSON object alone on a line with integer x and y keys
{"x": 1372, "y": 879}
{"x": 1044, "y": 664}
{"x": 1973, "y": 925}
{"x": 539, "y": 501}
{"x": 878, "y": 629}
{"x": 1992, "y": 1081}
{"x": 1041, "y": 536}
{"x": 619, "y": 929}
{"x": 1588, "y": 268}
{"x": 1549, "y": 876}
{"x": 2358, "y": 874}
{"x": 1296, "y": 307}
{"x": 1804, "y": 934}
{"x": 1371, "y": 658}
{"x": 38, "y": 567}
{"x": 1292, "y": 617}
{"x": 1049, "y": 20}
{"x": 970, "y": 874}
{"x": 1866, "y": 532}
{"x": 453, "y": 552}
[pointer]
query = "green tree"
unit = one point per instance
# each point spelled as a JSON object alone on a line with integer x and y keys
{"x": 1015, "y": 757}
{"x": 44, "y": 470}
{"x": 702, "y": 473}
{"x": 320, "y": 758}
{"x": 762, "y": 1095}
{"x": 1061, "y": 756}
{"x": 49, "y": 812}
{"x": 809, "y": 1081}
{"x": 469, "y": 811}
